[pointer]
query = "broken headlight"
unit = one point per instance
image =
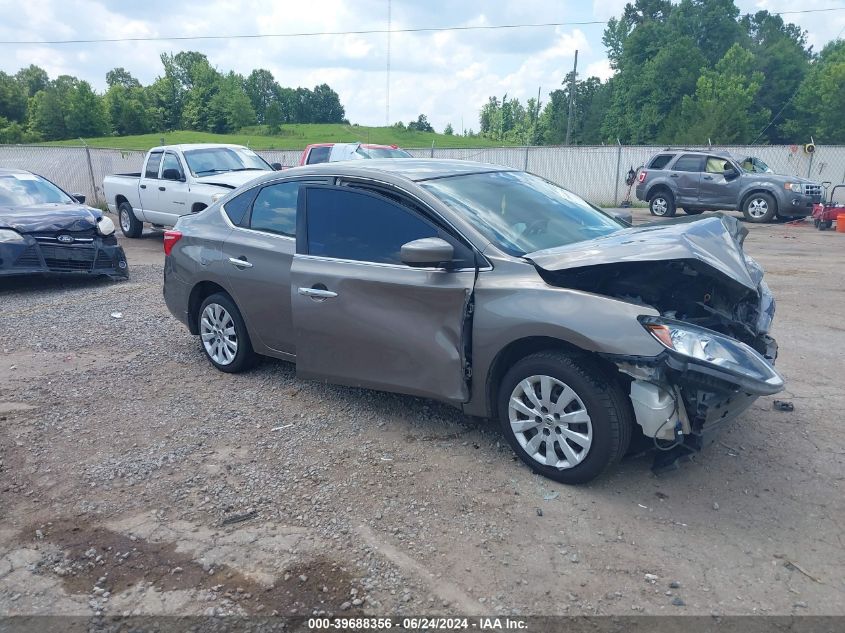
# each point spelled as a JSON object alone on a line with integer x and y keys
{"x": 716, "y": 353}
{"x": 10, "y": 236}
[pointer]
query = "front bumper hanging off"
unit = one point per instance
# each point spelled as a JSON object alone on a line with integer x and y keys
{"x": 45, "y": 254}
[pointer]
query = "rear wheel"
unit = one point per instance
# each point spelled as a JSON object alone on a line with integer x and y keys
{"x": 563, "y": 417}
{"x": 223, "y": 335}
{"x": 130, "y": 226}
{"x": 662, "y": 204}
{"x": 759, "y": 207}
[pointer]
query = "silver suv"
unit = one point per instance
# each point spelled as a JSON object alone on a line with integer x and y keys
{"x": 702, "y": 181}
{"x": 486, "y": 288}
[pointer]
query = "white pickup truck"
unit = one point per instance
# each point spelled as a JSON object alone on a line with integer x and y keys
{"x": 177, "y": 180}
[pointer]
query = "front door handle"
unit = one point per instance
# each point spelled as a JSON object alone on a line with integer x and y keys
{"x": 161, "y": 188}
{"x": 708, "y": 177}
{"x": 239, "y": 263}
{"x": 674, "y": 175}
{"x": 317, "y": 293}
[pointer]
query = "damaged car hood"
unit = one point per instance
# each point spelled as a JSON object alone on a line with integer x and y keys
{"x": 231, "y": 179}
{"x": 715, "y": 241}
{"x": 44, "y": 218}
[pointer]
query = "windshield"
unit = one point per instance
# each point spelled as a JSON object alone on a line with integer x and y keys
{"x": 24, "y": 190}
{"x": 522, "y": 213}
{"x": 382, "y": 152}
{"x": 213, "y": 160}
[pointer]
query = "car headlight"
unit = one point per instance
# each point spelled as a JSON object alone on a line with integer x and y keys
{"x": 8, "y": 236}
{"x": 793, "y": 186}
{"x": 714, "y": 350}
{"x": 105, "y": 226}
{"x": 217, "y": 196}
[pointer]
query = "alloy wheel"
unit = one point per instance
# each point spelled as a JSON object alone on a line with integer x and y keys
{"x": 659, "y": 205}
{"x": 125, "y": 221}
{"x": 550, "y": 422}
{"x": 758, "y": 208}
{"x": 217, "y": 330}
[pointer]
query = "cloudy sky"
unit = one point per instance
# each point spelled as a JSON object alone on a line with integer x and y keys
{"x": 446, "y": 75}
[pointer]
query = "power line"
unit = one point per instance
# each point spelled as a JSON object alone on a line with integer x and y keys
{"x": 489, "y": 27}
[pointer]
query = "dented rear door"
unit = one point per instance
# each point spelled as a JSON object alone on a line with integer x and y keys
{"x": 363, "y": 318}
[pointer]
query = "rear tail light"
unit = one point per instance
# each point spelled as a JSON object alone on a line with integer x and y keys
{"x": 641, "y": 177}
{"x": 170, "y": 239}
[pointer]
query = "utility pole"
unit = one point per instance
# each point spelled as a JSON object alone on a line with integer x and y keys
{"x": 571, "y": 99}
{"x": 387, "y": 86}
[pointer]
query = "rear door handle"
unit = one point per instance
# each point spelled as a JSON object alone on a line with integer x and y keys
{"x": 674, "y": 175}
{"x": 161, "y": 188}
{"x": 317, "y": 293}
{"x": 143, "y": 186}
{"x": 240, "y": 263}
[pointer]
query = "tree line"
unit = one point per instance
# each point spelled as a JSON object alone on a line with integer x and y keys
{"x": 190, "y": 95}
{"x": 691, "y": 73}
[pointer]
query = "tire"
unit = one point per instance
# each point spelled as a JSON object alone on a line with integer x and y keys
{"x": 599, "y": 408}
{"x": 693, "y": 211}
{"x": 759, "y": 208}
{"x": 223, "y": 335}
{"x": 130, "y": 226}
{"x": 662, "y": 204}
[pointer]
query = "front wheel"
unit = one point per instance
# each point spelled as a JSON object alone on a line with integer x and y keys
{"x": 223, "y": 335}
{"x": 130, "y": 226}
{"x": 662, "y": 204}
{"x": 563, "y": 417}
{"x": 760, "y": 207}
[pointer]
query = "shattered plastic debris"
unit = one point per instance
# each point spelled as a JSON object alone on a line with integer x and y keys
{"x": 783, "y": 405}
{"x": 550, "y": 496}
{"x": 117, "y": 315}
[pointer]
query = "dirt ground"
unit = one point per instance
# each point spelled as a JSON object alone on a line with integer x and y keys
{"x": 136, "y": 479}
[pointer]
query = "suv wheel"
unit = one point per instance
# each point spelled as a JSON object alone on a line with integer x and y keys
{"x": 759, "y": 207}
{"x": 223, "y": 335}
{"x": 662, "y": 204}
{"x": 563, "y": 417}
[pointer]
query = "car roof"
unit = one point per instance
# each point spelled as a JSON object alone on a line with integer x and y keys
{"x": 708, "y": 152}
{"x": 189, "y": 146}
{"x": 413, "y": 169}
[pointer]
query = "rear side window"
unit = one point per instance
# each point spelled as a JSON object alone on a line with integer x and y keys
{"x": 349, "y": 224}
{"x": 318, "y": 155}
{"x": 152, "y": 165}
{"x": 237, "y": 207}
{"x": 688, "y": 162}
{"x": 274, "y": 209}
{"x": 660, "y": 161}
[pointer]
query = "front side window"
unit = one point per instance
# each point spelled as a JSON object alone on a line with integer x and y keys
{"x": 359, "y": 226}
{"x": 521, "y": 213}
{"x": 214, "y": 160}
{"x": 688, "y": 162}
{"x": 152, "y": 165}
{"x": 24, "y": 190}
{"x": 171, "y": 168}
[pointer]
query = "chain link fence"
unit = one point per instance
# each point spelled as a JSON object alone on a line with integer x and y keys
{"x": 597, "y": 173}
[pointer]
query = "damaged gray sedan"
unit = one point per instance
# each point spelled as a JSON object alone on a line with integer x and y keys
{"x": 489, "y": 289}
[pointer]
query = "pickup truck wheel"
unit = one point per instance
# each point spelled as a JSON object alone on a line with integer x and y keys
{"x": 662, "y": 204}
{"x": 563, "y": 417}
{"x": 130, "y": 226}
{"x": 759, "y": 207}
{"x": 223, "y": 335}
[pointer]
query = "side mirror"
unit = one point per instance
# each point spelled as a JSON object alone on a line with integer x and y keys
{"x": 79, "y": 197}
{"x": 172, "y": 174}
{"x": 730, "y": 174}
{"x": 276, "y": 166}
{"x": 428, "y": 251}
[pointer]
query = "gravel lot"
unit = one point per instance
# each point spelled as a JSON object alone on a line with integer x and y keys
{"x": 134, "y": 478}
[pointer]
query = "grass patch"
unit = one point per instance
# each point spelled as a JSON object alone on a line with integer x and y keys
{"x": 290, "y": 137}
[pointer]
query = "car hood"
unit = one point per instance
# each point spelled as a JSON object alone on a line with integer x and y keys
{"x": 230, "y": 179}
{"x": 44, "y": 218}
{"x": 715, "y": 241}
